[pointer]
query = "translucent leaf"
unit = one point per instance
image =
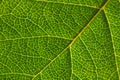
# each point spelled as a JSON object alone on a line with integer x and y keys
{"x": 59, "y": 40}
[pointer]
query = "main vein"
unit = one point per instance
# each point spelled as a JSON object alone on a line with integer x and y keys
{"x": 78, "y": 35}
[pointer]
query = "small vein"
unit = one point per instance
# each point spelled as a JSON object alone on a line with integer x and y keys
{"x": 15, "y": 63}
{"x": 32, "y": 56}
{"x": 15, "y": 7}
{"x": 68, "y": 4}
{"x": 17, "y": 74}
{"x": 78, "y": 35}
{"x": 112, "y": 75}
{"x": 116, "y": 37}
{"x": 91, "y": 57}
{"x": 11, "y": 27}
{"x": 76, "y": 76}
{"x": 12, "y": 10}
{"x": 114, "y": 24}
{"x": 113, "y": 15}
{"x": 3, "y": 35}
{"x": 6, "y": 66}
{"x": 4, "y": 14}
{"x": 118, "y": 56}
{"x": 83, "y": 67}
{"x": 33, "y": 37}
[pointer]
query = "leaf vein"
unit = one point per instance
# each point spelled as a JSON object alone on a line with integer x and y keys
{"x": 76, "y": 37}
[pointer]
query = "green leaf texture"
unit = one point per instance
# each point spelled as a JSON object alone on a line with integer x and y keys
{"x": 59, "y": 39}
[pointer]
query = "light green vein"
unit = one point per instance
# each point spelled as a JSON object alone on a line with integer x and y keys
{"x": 91, "y": 57}
{"x": 68, "y": 3}
{"x": 76, "y": 76}
{"x": 71, "y": 63}
{"x": 33, "y": 37}
{"x": 29, "y": 75}
{"x": 12, "y": 10}
{"x": 112, "y": 45}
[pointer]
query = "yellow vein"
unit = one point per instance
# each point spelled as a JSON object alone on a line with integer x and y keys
{"x": 33, "y": 37}
{"x": 71, "y": 62}
{"x": 112, "y": 44}
{"x": 76, "y": 76}
{"x": 17, "y": 74}
{"x": 64, "y": 3}
{"x": 86, "y": 26}
{"x": 91, "y": 57}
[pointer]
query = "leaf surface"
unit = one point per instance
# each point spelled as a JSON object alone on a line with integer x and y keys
{"x": 59, "y": 40}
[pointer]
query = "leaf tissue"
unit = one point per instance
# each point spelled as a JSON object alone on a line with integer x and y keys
{"x": 59, "y": 39}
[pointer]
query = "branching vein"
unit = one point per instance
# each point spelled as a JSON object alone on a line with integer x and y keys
{"x": 78, "y": 35}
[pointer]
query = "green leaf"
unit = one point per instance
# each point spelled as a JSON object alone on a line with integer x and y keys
{"x": 59, "y": 40}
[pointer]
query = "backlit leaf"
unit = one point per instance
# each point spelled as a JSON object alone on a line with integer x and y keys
{"x": 59, "y": 40}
